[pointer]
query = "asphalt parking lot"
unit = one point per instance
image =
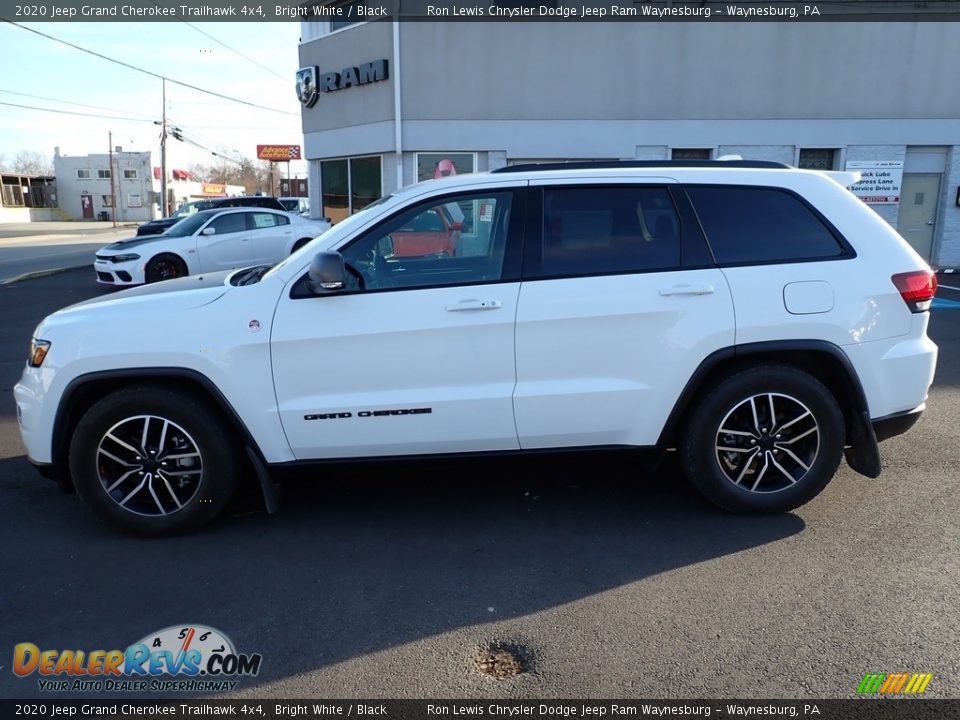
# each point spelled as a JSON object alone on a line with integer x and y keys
{"x": 382, "y": 583}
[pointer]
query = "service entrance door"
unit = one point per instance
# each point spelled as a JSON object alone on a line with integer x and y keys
{"x": 86, "y": 204}
{"x": 919, "y": 193}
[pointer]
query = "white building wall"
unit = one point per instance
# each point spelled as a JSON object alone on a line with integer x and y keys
{"x": 70, "y": 188}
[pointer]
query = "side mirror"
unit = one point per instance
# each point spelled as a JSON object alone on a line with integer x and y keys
{"x": 327, "y": 273}
{"x": 208, "y": 231}
{"x": 456, "y": 227}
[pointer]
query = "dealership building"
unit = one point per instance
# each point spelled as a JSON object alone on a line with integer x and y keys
{"x": 389, "y": 104}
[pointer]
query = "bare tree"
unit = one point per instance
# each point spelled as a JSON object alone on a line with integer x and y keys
{"x": 31, "y": 162}
{"x": 253, "y": 175}
{"x": 3, "y": 163}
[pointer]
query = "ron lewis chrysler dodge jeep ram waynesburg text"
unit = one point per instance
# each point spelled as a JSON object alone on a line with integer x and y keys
{"x": 759, "y": 319}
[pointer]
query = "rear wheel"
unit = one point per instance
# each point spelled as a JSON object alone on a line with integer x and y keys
{"x": 299, "y": 244}
{"x": 153, "y": 461}
{"x": 766, "y": 439}
{"x": 165, "y": 267}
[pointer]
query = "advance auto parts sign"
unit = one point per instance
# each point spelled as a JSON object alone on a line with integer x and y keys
{"x": 880, "y": 180}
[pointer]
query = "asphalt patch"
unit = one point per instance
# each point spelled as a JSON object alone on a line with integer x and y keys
{"x": 501, "y": 661}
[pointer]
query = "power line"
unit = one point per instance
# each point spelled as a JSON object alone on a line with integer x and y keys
{"x": 234, "y": 50}
{"x": 68, "y": 112}
{"x": 69, "y": 102}
{"x": 146, "y": 72}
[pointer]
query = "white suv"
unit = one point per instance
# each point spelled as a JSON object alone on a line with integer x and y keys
{"x": 758, "y": 319}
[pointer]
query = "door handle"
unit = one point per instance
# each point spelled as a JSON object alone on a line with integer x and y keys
{"x": 474, "y": 305}
{"x": 930, "y": 222}
{"x": 687, "y": 290}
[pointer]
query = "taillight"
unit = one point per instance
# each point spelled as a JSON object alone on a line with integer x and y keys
{"x": 917, "y": 288}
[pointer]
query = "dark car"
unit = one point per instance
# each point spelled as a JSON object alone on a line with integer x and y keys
{"x": 156, "y": 227}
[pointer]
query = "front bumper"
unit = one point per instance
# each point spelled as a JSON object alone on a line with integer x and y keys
{"x": 125, "y": 274}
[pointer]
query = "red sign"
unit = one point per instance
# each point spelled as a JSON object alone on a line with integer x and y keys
{"x": 278, "y": 153}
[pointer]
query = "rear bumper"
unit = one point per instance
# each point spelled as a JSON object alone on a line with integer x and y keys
{"x": 897, "y": 424}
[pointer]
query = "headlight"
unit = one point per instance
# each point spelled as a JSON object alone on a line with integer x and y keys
{"x": 38, "y": 351}
{"x": 124, "y": 258}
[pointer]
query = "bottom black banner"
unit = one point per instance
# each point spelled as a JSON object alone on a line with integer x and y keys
{"x": 853, "y": 709}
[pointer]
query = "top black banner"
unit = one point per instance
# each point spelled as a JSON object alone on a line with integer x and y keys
{"x": 345, "y": 12}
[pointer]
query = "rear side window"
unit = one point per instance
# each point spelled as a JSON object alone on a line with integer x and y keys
{"x": 761, "y": 225}
{"x": 606, "y": 230}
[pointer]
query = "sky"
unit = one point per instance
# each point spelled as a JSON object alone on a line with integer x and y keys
{"x": 37, "y": 66}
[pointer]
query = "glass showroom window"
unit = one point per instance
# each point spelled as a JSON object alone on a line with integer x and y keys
{"x": 350, "y": 185}
{"x": 817, "y": 159}
{"x": 691, "y": 154}
{"x": 438, "y": 165}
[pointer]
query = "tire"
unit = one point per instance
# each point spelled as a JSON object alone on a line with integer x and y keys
{"x": 299, "y": 244}
{"x": 764, "y": 468}
{"x": 165, "y": 266}
{"x": 187, "y": 483}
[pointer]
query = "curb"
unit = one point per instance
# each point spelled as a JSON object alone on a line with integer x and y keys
{"x": 34, "y": 274}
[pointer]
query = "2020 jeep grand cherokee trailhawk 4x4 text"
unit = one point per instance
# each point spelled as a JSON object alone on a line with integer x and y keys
{"x": 759, "y": 319}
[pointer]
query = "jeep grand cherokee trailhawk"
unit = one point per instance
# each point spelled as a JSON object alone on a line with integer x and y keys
{"x": 758, "y": 319}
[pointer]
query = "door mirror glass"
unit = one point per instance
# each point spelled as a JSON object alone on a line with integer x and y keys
{"x": 327, "y": 273}
{"x": 208, "y": 231}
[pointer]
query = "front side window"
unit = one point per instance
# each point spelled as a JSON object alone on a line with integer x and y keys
{"x": 605, "y": 230}
{"x": 757, "y": 225}
{"x": 456, "y": 240}
{"x": 230, "y": 223}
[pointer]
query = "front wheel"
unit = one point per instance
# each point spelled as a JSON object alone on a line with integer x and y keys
{"x": 153, "y": 461}
{"x": 165, "y": 267}
{"x": 766, "y": 439}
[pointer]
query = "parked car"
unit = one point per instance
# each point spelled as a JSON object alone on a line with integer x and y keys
{"x": 156, "y": 227}
{"x": 206, "y": 241}
{"x": 757, "y": 319}
{"x": 299, "y": 205}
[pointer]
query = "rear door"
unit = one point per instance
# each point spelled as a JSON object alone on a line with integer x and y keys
{"x": 619, "y": 305}
{"x": 229, "y": 246}
{"x": 271, "y": 236}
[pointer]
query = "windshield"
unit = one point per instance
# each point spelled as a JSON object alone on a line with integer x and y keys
{"x": 189, "y": 225}
{"x": 290, "y": 205}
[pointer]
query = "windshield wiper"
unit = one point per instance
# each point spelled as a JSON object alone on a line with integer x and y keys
{"x": 250, "y": 275}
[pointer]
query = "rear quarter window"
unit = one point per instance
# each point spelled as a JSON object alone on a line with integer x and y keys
{"x": 762, "y": 225}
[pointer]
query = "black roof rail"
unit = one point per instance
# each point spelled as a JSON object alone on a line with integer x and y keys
{"x": 613, "y": 164}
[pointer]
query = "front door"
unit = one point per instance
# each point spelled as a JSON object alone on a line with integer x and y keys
{"x": 919, "y": 194}
{"x": 86, "y": 204}
{"x": 417, "y": 355}
{"x": 229, "y": 246}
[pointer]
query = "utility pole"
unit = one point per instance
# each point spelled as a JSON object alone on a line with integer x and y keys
{"x": 165, "y": 211}
{"x": 113, "y": 192}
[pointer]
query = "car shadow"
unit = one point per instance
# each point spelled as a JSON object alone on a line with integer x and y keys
{"x": 359, "y": 559}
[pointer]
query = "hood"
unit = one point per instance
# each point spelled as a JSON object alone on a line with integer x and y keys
{"x": 180, "y": 294}
{"x": 132, "y": 242}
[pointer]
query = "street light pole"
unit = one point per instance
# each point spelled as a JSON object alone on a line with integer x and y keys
{"x": 113, "y": 192}
{"x": 165, "y": 211}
